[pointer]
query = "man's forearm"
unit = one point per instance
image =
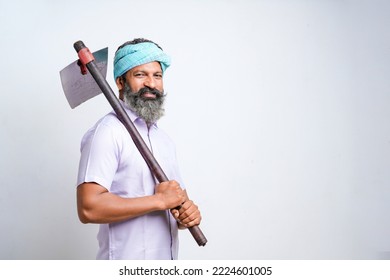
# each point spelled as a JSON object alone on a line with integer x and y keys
{"x": 98, "y": 206}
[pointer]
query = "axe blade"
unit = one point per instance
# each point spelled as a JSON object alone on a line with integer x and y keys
{"x": 79, "y": 87}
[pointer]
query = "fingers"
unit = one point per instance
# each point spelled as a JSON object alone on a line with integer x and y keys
{"x": 188, "y": 215}
{"x": 178, "y": 191}
{"x": 171, "y": 194}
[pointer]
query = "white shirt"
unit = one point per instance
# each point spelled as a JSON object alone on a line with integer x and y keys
{"x": 110, "y": 158}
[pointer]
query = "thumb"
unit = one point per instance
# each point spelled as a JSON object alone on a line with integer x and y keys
{"x": 175, "y": 213}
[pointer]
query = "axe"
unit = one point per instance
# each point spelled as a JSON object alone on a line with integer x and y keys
{"x": 79, "y": 86}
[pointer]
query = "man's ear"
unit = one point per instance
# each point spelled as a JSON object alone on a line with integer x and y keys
{"x": 120, "y": 83}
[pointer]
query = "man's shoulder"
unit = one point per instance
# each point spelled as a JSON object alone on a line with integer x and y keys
{"x": 107, "y": 125}
{"x": 110, "y": 119}
{"x": 108, "y": 122}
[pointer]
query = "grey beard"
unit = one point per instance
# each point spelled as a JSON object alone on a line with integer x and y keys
{"x": 148, "y": 109}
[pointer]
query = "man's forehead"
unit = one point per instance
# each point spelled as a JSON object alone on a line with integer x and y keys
{"x": 153, "y": 66}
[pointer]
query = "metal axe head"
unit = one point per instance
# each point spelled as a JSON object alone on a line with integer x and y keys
{"x": 78, "y": 84}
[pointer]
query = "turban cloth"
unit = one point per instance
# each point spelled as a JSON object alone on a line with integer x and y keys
{"x": 134, "y": 55}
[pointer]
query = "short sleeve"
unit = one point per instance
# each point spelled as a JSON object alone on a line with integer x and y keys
{"x": 99, "y": 156}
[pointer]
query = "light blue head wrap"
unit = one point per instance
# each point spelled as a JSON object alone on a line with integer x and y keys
{"x": 134, "y": 55}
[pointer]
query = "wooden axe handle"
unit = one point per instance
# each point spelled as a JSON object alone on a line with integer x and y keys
{"x": 87, "y": 59}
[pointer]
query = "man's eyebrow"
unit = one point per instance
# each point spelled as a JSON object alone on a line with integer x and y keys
{"x": 146, "y": 71}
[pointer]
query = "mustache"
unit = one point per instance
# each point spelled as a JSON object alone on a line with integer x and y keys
{"x": 154, "y": 91}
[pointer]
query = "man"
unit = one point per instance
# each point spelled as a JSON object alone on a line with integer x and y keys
{"x": 115, "y": 186}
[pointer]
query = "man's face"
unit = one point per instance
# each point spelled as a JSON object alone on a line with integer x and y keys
{"x": 147, "y": 75}
{"x": 143, "y": 91}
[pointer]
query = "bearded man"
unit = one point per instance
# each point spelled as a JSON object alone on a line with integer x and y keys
{"x": 116, "y": 189}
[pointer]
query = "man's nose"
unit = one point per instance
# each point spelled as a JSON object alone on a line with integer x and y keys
{"x": 150, "y": 82}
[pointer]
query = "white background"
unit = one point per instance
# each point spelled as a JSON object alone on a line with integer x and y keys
{"x": 280, "y": 111}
